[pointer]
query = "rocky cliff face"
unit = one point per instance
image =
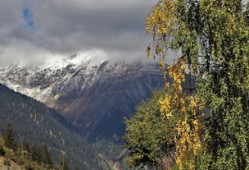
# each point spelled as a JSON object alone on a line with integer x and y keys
{"x": 89, "y": 91}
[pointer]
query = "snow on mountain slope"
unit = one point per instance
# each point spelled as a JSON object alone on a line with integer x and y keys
{"x": 94, "y": 94}
{"x": 46, "y": 81}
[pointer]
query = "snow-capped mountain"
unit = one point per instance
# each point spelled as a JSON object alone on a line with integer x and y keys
{"x": 92, "y": 93}
{"x": 49, "y": 80}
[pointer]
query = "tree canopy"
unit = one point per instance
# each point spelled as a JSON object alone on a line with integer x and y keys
{"x": 211, "y": 42}
{"x": 149, "y": 135}
{"x": 10, "y": 138}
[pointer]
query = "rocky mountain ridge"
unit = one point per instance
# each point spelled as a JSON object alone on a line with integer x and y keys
{"x": 94, "y": 94}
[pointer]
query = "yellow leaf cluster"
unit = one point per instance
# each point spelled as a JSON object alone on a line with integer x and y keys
{"x": 166, "y": 105}
{"x": 177, "y": 105}
{"x": 162, "y": 18}
{"x": 177, "y": 72}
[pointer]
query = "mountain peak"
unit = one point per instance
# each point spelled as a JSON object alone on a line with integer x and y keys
{"x": 92, "y": 58}
{"x": 87, "y": 89}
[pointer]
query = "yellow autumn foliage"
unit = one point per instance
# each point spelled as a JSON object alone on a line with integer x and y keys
{"x": 185, "y": 109}
{"x": 161, "y": 23}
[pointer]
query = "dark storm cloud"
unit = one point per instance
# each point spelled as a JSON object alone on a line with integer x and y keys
{"x": 64, "y": 27}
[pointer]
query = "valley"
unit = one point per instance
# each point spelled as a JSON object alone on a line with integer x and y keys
{"x": 93, "y": 95}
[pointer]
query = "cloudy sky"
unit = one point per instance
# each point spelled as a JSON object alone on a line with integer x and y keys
{"x": 32, "y": 30}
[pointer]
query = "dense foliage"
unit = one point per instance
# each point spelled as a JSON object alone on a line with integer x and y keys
{"x": 9, "y": 138}
{"x": 211, "y": 42}
{"x": 149, "y": 135}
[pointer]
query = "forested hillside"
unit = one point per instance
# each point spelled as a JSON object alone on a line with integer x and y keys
{"x": 15, "y": 155}
{"x": 35, "y": 122}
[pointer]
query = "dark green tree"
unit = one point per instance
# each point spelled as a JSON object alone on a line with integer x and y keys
{"x": 10, "y": 138}
{"x": 26, "y": 145}
{"x": 36, "y": 155}
{"x": 46, "y": 156}
{"x": 149, "y": 136}
{"x": 223, "y": 32}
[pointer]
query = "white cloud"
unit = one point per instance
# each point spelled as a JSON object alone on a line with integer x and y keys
{"x": 65, "y": 27}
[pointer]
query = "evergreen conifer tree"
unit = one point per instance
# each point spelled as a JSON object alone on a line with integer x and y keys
{"x": 46, "y": 156}
{"x": 9, "y": 138}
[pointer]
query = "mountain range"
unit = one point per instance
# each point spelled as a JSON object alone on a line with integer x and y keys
{"x": 92, "y": 93}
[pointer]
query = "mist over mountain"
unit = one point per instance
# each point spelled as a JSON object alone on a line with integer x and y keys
{"x": 91, "y": 92}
